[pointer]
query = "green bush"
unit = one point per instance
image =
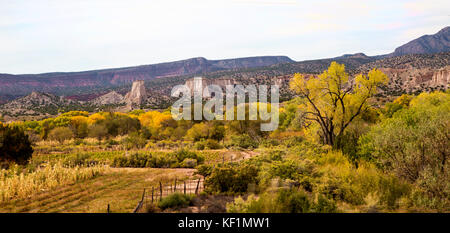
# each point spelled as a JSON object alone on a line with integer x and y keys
{"x": 200, "y": 145}
{"x": 134, "y": 140}
{"x": 232, "y": 178}
{"x": 282, "y": 201}
{"x": 213, "y": 144}
{"x": 178, "y": 159}
{"x": 242, "y": 141}
{"x": 293, "y": 201}
{"x": 207, "y": 144}
{"x": 79, "y": 160}
{"x": 413, "y": 144}
{"x": 268, "y": 143}
{"x": 60, "y": 134}
{"x": 324, "y": 205}
{"x": 204, "y": 170}
{"x": 175, "y": 201}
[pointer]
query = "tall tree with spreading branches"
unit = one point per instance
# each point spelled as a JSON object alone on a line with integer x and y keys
{"x": 333, "y": 100}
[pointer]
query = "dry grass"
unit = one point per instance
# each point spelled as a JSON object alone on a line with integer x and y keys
{"x": 22, "y": 185}
{"x": 119, "y": 187}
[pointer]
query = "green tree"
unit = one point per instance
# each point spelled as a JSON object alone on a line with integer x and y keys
{"x": 333, "y": 101}
{"x": 14, "y": 144}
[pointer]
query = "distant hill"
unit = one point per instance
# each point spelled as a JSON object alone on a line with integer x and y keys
{"x": 72, "y": 83}
{"x": 38, "y": 103}
{"x": 422, "y": 64}
{"x": 439, "y": 42}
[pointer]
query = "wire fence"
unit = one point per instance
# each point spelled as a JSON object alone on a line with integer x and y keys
{"x": 152, "y": 195}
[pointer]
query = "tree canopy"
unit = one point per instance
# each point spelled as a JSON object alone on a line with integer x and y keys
{"x": 333, "y": 100}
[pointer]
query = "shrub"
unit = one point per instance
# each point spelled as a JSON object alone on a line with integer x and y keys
{"x": 281, "y": 201}
{"x": 183, "y": 154}
{"x": 413, "y": 144}
{"x": 268, "y": 143}
{"x": 201, "y": 145}
{"x": 293, "y": 201}
{"x": 177, "y": 159}
{"x": 189, "y": 163}
{"x": 98, "y": 131}
{"x": 212, "y": 144}
{"x": 242, "y": 141}
{"x": 60, "y": 134}
{"x": 134, "y": 140}
{"x": 324, "y": 205}
{"x": 204, "y": 170}
{"x": 175, "y": 201}
{"x": 234, "y": 178}
{"x": 79, "y": 160}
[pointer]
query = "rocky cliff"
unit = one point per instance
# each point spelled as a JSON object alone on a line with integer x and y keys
{"x": 137, "y": 95}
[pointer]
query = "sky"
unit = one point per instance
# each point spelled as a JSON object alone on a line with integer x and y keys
{"x": 61, "y": 36}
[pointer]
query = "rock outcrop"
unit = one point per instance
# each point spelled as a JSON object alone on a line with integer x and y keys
{"x": 201, "y": 83}
{"x": 137, "y": 95}
{"x": 109, "y": 98}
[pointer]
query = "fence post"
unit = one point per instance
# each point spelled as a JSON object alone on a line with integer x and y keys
{"x": 184, "y": 187}
{"x": 161, "y": 190}
{"x": 196, "y": 189}
{"x": 107, "y": 210}
{"x": 152, "y": 193}
{"x": 175, "y": 185}
{"x": 143, "y": 195}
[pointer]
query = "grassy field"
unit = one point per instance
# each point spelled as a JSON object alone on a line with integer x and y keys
{"x": 120, "y": 187}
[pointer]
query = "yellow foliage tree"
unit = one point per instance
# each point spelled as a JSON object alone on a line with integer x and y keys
{"x": 95, "y": 118}
{"x": 333, "y": 100}
{"x": 79, "y": 126}
{"x": 154, "y": 119}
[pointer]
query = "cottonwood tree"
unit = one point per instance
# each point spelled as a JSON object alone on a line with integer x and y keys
{"x": 333, "y": 100}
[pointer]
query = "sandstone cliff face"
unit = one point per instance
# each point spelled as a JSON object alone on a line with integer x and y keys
{"x": 200, "y": 83}
{"x": 414, "y": 79}
{"x": 441, "y": 77}
{"x": 137, "y": 95}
